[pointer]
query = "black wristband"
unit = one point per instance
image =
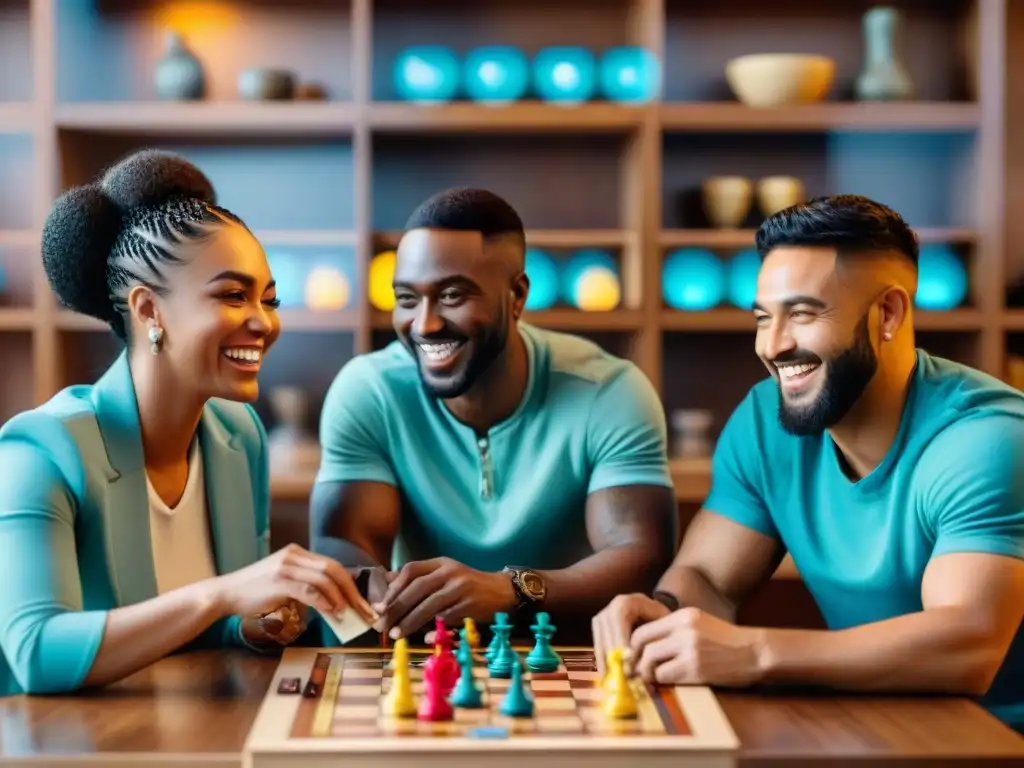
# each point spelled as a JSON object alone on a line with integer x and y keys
{"x": 667, "y": 599}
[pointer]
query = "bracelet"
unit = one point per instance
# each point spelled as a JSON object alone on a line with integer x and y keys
{"x": 667, "y": 599}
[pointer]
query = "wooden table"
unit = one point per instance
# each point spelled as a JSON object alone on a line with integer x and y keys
{"x": 195, "y": 710}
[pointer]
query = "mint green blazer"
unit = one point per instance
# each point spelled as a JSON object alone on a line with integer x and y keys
{"x": 74, "y": 524}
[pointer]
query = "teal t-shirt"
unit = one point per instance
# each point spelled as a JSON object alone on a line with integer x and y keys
{"x": 951, "y": 482}
{"x": 515, "y": 496}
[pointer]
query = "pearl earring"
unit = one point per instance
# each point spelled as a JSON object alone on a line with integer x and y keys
{"x": 156, "y": 335}
{"x": 887, "y": 336}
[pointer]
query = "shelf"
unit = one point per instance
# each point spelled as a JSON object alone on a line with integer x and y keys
{"x": 299, "y": 237}
{"x": 744, "y": 238}
{"x": 732, "y": 116}
{"x": 345, "y": 320}
{"x": 18, "y": 238}
{"x": 68, "y": 320}
{"x": 400, "y": 117}
{"x": 1013, "y": 320}
{"x": 17, "y": 319}
{"x": 728, "y": 320}
{"x": 17, "y": 117}
{"x": 546, "y": 238}
{"x": 209, "y": 118}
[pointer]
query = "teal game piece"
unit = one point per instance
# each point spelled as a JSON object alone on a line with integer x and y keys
{"x": 517, "y": 702}
{"x": 465, "y": 652}
{"x": 501, "y": 663}
{"x": 543, "y": 657}
{"x": 467, "y": 693}
{"x": 500, "y": 623}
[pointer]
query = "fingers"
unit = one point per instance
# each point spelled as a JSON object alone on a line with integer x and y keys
{"x": 613, "y": 626}
{"x": 420, "y": 602}
{"x": 403, "y": 578}
{"x": 346, "y": 585}
{"x": 655, "y": 630}
{"x": 655, "y": 654}
{"x": 330, "y": 578}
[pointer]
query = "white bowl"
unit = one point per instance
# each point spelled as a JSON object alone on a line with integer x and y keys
{"x": 780, "y": 79}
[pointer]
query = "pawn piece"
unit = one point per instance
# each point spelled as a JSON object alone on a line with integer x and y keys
{"x": 467, "y": 693}
{"x": 621, "y": 701}
{"x": 399, "y": 701}
{"x": 443, "y": 660}
{"x": 500, "y": 623}
{"x": 517, "y": 702}
{"x": 434, "y": 704}
{"x": 504, "y": 656}
{"x": 470, "y": 633}
{"x": 543, "y": 657}
{"x": 608, "y": 683}
{"x": 465, "y": 653}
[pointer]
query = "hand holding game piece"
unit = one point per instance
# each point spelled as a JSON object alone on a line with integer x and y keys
{"x": 691, "y": 647}
{"x": 612, "y": 627}
{"x": 291, "y": 573}
{"x": 280, "y": 627}
{"x": 441, "y": 587}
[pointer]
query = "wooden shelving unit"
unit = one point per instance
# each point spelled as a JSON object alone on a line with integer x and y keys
{"x": 339, "y": 177}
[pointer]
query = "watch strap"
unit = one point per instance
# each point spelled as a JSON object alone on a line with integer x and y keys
{"x": 667, "y": 599}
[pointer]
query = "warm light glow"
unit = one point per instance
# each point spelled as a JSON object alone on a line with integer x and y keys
{"x": 597, "y": 290}
{"x": 381, "y": 275}
{"x": 189, "y": 17}
{"x": 326, "y": 290}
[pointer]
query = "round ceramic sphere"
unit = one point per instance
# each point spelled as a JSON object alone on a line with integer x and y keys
{"x": 542, "y": 270}
{"x": 693, "y": 279}
{"x": 577, "y": 264}
{"x": 380, "y": 276}
{"x": 597, "y": 290}
{"x": 427, "y": 74}
{"x": 495, "y": 74}
{"x": 630, "y": 74}
{"x": 743, "y": 269}
{"x": 565, "y": 74}
{"x": 327, "y": 289}
{"x": 942, "y": 279}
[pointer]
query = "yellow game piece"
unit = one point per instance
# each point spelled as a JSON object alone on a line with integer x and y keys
{"x": 472, "y": 635}
{"x": 625, "y": 657}
{"x": 621, "y": 701}
{"x": 399, "y": 701}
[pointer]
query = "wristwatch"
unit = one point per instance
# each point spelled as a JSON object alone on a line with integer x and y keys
{"x": 528, "y": 585}
{"x": 667, "y": 599}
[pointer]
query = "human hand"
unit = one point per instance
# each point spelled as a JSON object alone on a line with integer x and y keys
{"x": 281, "y": 627}
{"x": 291, "y": 573}
{"x": 442, "y": 587}
{"x": 611, "y": 627}
{"x": 691, "y": 647}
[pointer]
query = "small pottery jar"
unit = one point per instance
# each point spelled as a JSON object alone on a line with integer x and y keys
{"x": 883, "y": 75}
{"x": 727, "y": 200}
{"x": 777, "y": 192}
{"x": 179, "y": 74}
{"x": 262, "y": 84}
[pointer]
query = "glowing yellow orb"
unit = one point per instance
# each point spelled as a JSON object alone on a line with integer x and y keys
{"x": 382, "y": 273}
{"x": 597, "y": 290}
{"x": 327, "y": 289}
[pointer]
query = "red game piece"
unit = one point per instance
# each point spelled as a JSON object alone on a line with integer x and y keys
{"x": 443, "y": 662}
{"x": 434, "y": 704}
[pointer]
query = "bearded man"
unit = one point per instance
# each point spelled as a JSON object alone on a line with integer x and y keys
{"x": 485, "y": 464}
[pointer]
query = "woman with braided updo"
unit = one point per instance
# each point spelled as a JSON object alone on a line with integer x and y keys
{"x": 134, "y": 512}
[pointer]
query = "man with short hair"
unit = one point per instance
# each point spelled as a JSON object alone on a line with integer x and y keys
{"x": 892, "y": 477}
{"x": 497, "y": 465}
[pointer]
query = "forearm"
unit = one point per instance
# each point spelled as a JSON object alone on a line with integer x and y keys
{"x": 939, "y": 650}
{"x": 138, "y": 635}
{"x": 690, "y": 587}
{"x": 346, "y": 552}
{"x": 586, "y": 587}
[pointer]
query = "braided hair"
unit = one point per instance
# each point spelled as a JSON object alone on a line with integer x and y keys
{"x": 127, "y": 229}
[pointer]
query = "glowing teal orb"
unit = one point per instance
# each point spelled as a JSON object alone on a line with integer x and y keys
{"x": 427, "y": 74}
{"x": 630, "y": 74}
{"x": 542, "y": 270}
{"x": 290, "y": 276}
{"x": 693, "y": 279}
{"x": 743, "y": 269}
{"x": 577, "y": 265}
{"x": 942, "y": 279}
{"x": 565, "y": 74}
{"x": 496, "y": 74}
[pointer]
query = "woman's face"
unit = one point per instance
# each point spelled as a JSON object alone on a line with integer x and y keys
{"x": 220, "y": 315}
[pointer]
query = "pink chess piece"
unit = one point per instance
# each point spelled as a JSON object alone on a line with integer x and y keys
{"x": 434, "y": 704}
{"x": 443, "y": 662}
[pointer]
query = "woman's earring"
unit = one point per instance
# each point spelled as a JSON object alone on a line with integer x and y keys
{"x": 887, "y": 336}
{"x": 156, "y": 335}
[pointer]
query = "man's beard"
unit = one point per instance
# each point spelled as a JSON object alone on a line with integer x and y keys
{"x": 486, "y": 347}
{"x": 847, "y": 376}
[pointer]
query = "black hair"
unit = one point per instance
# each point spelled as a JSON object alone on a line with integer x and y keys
{"x": 852, "y": 224}
{"x": 103, "y": 238}
{"x": 469, "y": 209}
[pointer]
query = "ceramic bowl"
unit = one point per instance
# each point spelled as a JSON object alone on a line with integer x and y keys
{"x": 780, "y": 79}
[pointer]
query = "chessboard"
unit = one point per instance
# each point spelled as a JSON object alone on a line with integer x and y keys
{"x": 324, "y": 708}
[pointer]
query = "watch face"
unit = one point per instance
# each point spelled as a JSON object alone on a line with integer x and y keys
{"x": 532, "y": 584}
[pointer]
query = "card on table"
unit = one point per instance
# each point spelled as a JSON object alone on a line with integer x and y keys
{"x": 347, "y": 625}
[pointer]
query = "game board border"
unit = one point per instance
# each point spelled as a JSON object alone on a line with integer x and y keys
{"x": 270, "y": 734}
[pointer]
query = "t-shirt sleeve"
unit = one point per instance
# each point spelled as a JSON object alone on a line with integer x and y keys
{"x": 736, "y": 485}
{"x": 626, "y": 435}
{"x": 353, "y": 431}
{"x": 972, "y": 488}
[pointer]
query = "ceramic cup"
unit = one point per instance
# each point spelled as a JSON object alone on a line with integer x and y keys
{"x": 777, "y": 192}
{"x": 727, "y": 200}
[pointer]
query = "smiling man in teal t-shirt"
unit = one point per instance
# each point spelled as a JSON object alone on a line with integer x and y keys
{"x": 497, "y": 465}
{"x": 891, "y": 476}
